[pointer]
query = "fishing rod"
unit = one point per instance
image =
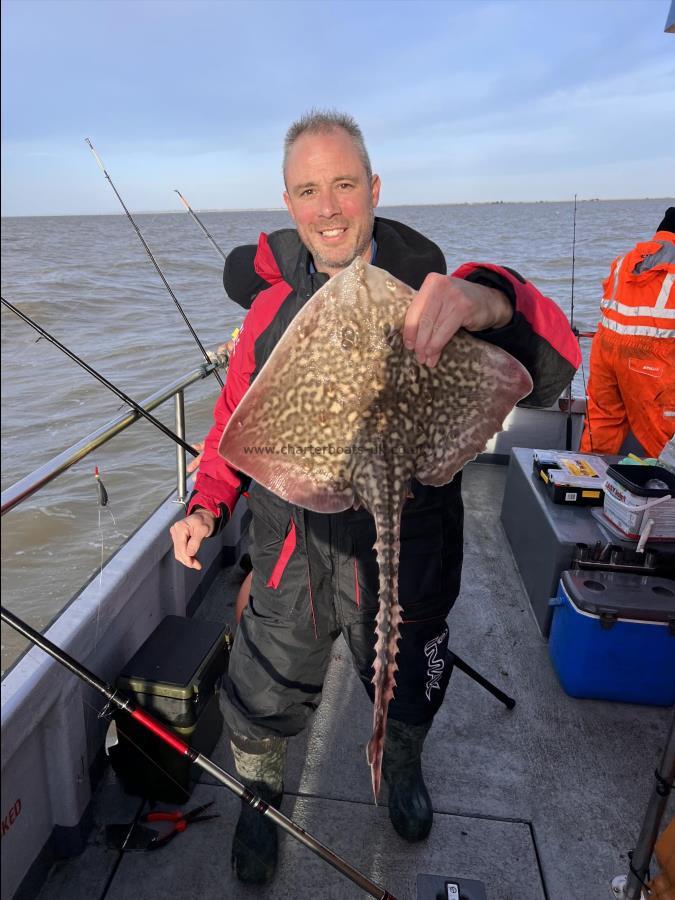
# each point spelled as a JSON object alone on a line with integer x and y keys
{"x": 125, "y": 704}
{"x": 154, "y": 261}
{"x": 630, "y": 886}
{"x": 199, "y": 222}
{"x": 568, "y": 424}
{"x": 111, "y": 387}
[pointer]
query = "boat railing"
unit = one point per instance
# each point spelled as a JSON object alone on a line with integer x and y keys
{"x": 30, "y": 484}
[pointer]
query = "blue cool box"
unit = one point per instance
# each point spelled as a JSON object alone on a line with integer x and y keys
{"x": 613, "y": 637}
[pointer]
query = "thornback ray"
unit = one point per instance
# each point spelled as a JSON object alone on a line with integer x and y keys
{"x": 343, "y": 415}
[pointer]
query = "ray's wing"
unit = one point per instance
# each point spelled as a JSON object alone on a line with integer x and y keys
{"x": 462, "y": 403}
{"x": 278, "y": 431}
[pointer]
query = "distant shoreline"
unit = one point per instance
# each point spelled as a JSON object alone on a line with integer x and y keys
{"x": 267, "y": 209}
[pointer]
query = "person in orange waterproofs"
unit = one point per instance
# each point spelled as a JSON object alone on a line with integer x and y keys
{"x": 632, "y": 371}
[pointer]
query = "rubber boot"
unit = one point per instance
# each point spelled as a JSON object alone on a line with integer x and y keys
{"x": 260, "y": 766}
{"x": 410, "y": 807}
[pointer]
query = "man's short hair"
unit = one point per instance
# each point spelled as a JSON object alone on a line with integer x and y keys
{"x": 324, "y": 121}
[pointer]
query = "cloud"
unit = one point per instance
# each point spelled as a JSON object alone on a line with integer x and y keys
{"x": 453, "y": 97}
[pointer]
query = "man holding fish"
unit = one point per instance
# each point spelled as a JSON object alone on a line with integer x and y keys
{"x": 314, "y": 534}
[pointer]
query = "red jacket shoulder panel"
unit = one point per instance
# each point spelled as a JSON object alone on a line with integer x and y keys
{"x": 543, "y": 314}
{"x": 264, "y": 263}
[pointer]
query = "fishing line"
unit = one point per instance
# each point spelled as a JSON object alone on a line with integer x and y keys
{"x": 199, "y": 222}
{"x": 103, "y": 503}
{"x": 104, "y": 381}
{"x": 154, "y": 261}
{"x": 579, "y": 334}
{"x": 585, "y": 334}
{"x": 574, "y": 245}
{"x": 588, "y": 416}
{"x": 568, "y": 424}
{"x": 100, "y": 579}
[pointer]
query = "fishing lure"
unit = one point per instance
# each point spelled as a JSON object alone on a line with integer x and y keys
{"x": 100, "y": 487}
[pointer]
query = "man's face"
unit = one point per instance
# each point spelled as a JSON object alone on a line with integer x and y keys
{"x": 330, "y": 199}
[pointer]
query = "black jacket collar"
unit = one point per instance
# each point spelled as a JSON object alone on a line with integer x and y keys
{"x": 401, "y": 250}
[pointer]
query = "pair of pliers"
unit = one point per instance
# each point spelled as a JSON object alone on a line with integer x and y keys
{"x": 180, "y": 823}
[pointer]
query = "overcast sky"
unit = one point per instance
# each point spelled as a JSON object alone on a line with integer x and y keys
{"x": 459, "y": 101}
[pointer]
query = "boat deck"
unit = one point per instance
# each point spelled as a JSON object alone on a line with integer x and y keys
{"x": 541, "y": 802}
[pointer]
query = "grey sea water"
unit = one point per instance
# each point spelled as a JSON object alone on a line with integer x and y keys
{"x": 88, "y": 281}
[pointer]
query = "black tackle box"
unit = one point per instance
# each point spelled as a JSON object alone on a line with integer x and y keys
{"x": 571, "y": 479}
{"x": 175, "y": 676}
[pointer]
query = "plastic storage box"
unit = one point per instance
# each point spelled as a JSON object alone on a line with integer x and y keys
{"x": 631, "y": 503}
{"x": 572, "y": 479}
{"x": 613, "y": 637}
{"x": 175, "y": 676}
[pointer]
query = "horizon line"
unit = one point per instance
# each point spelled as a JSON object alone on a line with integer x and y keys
{"x": 235, "y": 209}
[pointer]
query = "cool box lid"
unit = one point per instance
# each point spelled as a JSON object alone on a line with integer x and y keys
{"x": 622, "y": 595}
{"x": 174, "y": 659}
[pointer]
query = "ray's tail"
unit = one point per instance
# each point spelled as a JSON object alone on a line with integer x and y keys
{"x": 388, "y": 620}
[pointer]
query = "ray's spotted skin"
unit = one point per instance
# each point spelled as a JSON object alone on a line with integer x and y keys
{"x": 343, "y": 415}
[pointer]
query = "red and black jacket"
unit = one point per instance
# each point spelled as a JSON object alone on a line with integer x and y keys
{"x": 432, "y": 523}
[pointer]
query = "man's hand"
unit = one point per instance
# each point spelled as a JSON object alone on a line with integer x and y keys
{"x": 227, "y": 348}
{"x": 188, "y": 534}
{"x": 442, "y": 306}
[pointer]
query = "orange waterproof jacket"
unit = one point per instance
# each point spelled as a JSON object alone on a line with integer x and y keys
{"x": 639, "y": 293}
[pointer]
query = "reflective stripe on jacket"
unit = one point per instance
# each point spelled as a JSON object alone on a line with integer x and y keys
{"x": 639, "y": 293}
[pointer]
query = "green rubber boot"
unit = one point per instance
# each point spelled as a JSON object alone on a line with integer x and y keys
{"x": 410, "y": 807}
{"x": 260, "y": 766}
